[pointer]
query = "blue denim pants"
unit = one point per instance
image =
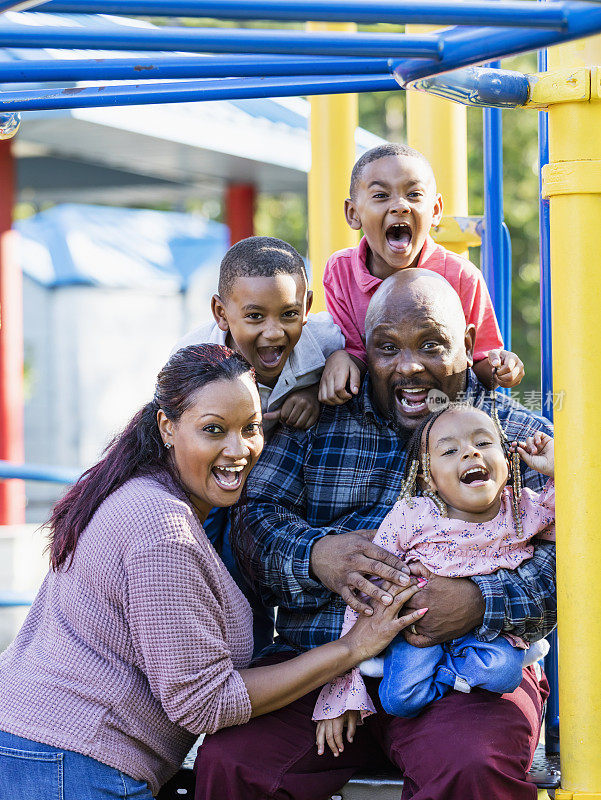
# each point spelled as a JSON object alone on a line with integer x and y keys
{"x": 416, "y": 676}
{"x": 33, "y": 771}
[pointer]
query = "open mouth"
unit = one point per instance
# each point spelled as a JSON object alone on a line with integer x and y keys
{"x": 475, "y": 476}
{"x": 399, "y": 236}
{"x": 412, "y": 401}
{"x": 270, "y": 356}
{"x": 229, "y": 478}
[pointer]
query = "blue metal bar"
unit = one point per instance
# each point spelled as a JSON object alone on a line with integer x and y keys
{"x": 222, "y": 40}
{"x": 15, "y": 599}
{"x": 507, "y": 283}
{"x": 546, "y": 338}
{"x": 164, "y": 66}
{"x": 476, "y": 86}
{"x": 546, "y": 346}
{"x": 37, "y": 472}
{"x": 462, "y": 46}
{"x": 437, "y": 12}
{"x": 493, "y": 242}
{"x": 18, "y": 5}
{"x": 191, "y": 91}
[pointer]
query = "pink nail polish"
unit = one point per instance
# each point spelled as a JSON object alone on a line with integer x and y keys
{"x": 422, "y": 582}
{"x": 422, "y": 610}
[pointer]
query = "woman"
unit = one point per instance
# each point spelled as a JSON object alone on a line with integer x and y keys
{"x": 139, "y": 639}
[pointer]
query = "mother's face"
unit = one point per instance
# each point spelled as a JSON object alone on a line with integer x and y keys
{"x": 216, "y": 441}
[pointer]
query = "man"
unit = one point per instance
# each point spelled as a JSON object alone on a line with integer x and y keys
{"x": 314, "y": 500}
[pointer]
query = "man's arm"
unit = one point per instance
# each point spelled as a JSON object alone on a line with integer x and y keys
{"x": 290, "y": 563}
{"x": 270, "y": 537}
{"x": 521, "y": 601}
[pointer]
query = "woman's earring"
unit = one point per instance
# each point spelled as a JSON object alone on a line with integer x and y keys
{"x": 168, "y": 445}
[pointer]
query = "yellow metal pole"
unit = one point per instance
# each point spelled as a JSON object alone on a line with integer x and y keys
{"x": 438, "y": 129}
{"x": 572, "y": 181}
{"x": 334, "y": 119}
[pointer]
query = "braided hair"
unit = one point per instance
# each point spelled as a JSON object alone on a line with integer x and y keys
{"x": 416, "y": 458}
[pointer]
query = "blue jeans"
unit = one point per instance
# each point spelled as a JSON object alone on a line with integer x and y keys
{"x": 416, "y": 676}
{"x": 217, "y": 529}
{"x": 33, "y": 771}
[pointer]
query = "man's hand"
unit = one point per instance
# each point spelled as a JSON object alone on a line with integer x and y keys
{"x": 299, "y": 410}
{"x": 342, "y": 561}
{"x": 340, "y": 371}
{"x": 455, "y": 606}
{"x": 509, "y": 368}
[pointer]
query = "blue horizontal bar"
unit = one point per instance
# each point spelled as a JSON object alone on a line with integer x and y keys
{"x": 462, "y": 46}
{"x": 191, "y": 91}
{"x": 37, "y": 472}
{"x": 439, "y": 12}
{"x": 15, "y": 599}
{"x": 221, "y": 40}
{"x": 18, "y": 5}
{"x": 477, "y": 86}
{"x": 163, "y": 66}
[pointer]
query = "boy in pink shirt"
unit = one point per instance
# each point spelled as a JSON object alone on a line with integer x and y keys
{"x": 393, "y": 198}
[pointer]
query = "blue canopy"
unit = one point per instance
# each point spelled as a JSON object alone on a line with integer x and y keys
{"x": 90, "y": 245}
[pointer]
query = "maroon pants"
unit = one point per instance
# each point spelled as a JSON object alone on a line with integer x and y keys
{"x": 477, "y": 746}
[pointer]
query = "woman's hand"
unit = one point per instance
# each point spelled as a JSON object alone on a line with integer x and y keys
{"x": 331, "y": 731}
{"x": 371, "y": 634}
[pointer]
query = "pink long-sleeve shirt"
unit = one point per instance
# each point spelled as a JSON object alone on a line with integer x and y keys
{"x": 349, "y": 287}
{"x": 415, "y": 531}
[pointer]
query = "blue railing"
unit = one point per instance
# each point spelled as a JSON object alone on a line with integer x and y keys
{"x": 31, "y": 472}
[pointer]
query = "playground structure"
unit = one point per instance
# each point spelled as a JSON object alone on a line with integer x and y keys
{"x": 332, "y": 58}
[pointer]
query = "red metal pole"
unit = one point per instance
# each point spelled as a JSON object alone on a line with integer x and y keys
{"x": 12, "y": 448}
{"x": 239, "y": 210}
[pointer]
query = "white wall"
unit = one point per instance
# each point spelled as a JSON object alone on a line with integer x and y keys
{"x": 23, "y": 565}
{"x": 94, "y": 355}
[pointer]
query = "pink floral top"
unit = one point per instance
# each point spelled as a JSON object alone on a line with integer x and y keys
{"x": 416, "y": 531}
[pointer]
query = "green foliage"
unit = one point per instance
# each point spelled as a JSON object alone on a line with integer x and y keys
{"x": 284, "y": 216}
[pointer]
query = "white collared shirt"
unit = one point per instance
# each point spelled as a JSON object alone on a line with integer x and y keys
{"x": 319, "y": 339}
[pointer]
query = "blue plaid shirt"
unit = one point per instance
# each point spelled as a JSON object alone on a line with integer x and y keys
{"x": 344, "y": 474}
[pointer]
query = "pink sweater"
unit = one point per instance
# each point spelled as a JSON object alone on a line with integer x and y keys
{"x": 132, "y": 652}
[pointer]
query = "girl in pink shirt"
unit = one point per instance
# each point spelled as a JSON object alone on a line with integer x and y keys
{"x": 468, "y": 522}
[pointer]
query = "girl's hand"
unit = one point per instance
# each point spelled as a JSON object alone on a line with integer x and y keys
{"x": 508, "y": 368}
{"x": 371, "y": 634}
{"x": 538, "y": 453}
{"x": 331, "y": 731}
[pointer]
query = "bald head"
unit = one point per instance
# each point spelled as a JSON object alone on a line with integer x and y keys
{"x": 417, "y": 341}
{"x": 415, "y": 292}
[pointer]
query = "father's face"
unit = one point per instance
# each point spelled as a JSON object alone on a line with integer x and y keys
{"x": 416, "y": 347}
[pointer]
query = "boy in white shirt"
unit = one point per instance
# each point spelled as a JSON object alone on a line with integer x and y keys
{"x": 262, "y": 311}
